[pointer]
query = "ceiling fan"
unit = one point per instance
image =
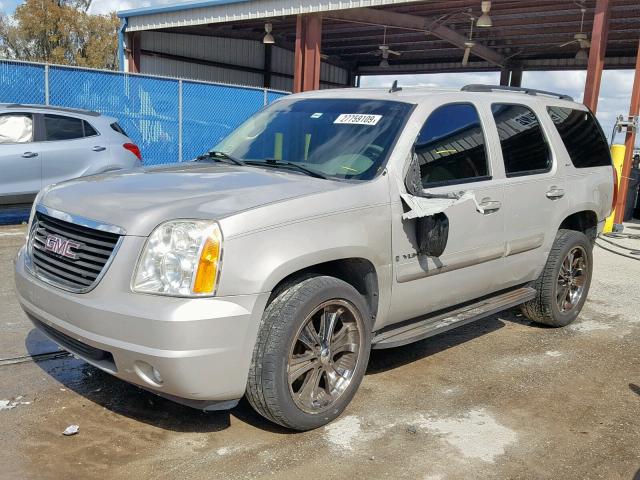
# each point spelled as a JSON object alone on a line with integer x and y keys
{"x": 580, "y": 38}
{"x": 384, "y": 51}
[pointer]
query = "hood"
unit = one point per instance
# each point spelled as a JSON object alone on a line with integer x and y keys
{"x": 139, "y": 200}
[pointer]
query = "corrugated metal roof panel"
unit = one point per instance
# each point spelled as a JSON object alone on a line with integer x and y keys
{"x": 216, "y": 49}
{"x": 187, "y": 70}
{"x": 235, "y": 10}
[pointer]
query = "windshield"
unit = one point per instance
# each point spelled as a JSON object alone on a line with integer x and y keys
{"x": 342, "y": 138}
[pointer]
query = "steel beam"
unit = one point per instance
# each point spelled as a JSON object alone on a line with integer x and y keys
{"x": 516, "y": 77}
{"x": 505, "y": 74}
{"x": 597, "y": 54}
{"x": 133, "y": 52}
{"x": 413, "y": 22}
{"x": 629, "y": 143}
{"x": 306, "y": 75}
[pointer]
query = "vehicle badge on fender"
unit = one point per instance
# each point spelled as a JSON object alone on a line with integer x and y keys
{"x": 62, "y": 246}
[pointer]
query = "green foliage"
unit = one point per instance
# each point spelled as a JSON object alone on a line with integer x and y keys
{"x": 62, "y": 32}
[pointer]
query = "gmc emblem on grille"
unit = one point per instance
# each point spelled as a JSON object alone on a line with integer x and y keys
{"x": 62, "y": 246}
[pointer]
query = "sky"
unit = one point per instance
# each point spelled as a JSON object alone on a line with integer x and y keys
{"x": 615, "y": 90}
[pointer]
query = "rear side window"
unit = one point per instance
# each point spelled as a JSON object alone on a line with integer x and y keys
{"x": 116, "y": 126}
{"x": 524, "y": 147}
{"x": 16, "y": 128}
{"x": 89, "y": 131}
{"x": 582, "y": 136}
{"x": 59, "y": 127}
{"x": 451, "y": 146}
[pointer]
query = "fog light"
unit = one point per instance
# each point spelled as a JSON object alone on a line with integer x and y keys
{"x": 148, "y": 373}
{"x": 156, "y": 375}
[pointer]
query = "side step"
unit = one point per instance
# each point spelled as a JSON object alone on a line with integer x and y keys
{"x": 441, "y": 322}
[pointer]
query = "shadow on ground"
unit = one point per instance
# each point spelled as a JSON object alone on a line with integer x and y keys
{"x": 143, "y": 406}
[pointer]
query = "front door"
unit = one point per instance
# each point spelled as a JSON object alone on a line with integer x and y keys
{"x": 20, "y": 159}
{"x": 452, "y": 154}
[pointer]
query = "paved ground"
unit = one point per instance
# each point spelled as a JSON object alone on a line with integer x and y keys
{"x": 498, "y": 399}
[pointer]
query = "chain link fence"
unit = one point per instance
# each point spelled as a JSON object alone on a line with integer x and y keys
{"x": 170, "y": 120}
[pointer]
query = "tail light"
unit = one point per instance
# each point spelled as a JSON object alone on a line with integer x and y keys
{"x": 133, "y": 148}
{"x": 615, "y": 189}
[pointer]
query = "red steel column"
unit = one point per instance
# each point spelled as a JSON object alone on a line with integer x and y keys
{"x": 133, "y": 52}
{"x": 312, "y": 53}
{"x": 629, "y": 143}
{"x": 306, "y": 71}
{"x": 597, "y": 54}
{"x": 298, "y": 65}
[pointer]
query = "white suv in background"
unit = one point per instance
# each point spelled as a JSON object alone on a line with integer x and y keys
{"x": 40, "y": 145}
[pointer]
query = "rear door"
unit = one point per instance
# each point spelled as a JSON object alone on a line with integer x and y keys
{"x": 535, "y": 196}
{"x": 453, "y": 155}
{"x": 20, "y": 158}
{"x": 72, "y": 148}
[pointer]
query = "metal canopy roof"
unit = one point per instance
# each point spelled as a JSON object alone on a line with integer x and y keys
{"x": 429, "y": 35}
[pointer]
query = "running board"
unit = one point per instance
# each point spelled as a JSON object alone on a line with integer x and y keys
{"x": 441, "y": 322}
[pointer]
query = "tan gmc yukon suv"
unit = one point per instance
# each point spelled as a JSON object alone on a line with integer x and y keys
{"x": 328, "y": 224}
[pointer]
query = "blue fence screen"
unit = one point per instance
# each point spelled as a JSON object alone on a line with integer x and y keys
{"x": 170, "y": 120}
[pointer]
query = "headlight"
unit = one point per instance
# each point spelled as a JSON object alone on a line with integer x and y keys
{"x": 180, "y": 258}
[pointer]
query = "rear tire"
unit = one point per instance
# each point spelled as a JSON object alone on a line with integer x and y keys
{"x": 563, "y": 285}
{"x": 311, "y": 353}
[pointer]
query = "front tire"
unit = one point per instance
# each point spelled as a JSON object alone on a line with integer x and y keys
{"x": 311, "y": 353}
{"x": 564, "y": 283}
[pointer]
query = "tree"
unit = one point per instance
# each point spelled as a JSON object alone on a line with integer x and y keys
{"x": 60, "y": 31}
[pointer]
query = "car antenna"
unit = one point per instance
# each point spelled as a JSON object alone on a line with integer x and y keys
{"x": 395, "y": 87}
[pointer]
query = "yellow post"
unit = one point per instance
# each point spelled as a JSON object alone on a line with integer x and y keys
{"x": 617, "y": 154}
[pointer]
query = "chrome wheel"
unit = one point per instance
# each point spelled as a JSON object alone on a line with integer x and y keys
{"x": 324, "y": 355}
{"x": 572, "y": 279}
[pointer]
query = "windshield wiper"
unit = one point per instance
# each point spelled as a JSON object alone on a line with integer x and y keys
{"x": 272, "y": 162}
{"x": 219, "y": 156}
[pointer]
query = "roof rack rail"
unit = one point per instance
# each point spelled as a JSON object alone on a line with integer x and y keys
{"x": 528, "y": 91}
{"x": 79, "y": 111}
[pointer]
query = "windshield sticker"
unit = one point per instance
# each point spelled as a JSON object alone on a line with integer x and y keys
{"x": 316, "y": 115}
{"x": 357, "y": 119}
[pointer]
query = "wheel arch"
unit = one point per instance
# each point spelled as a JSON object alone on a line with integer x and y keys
{"x": 585, "y": 221}
{"x": 358, "y": 272}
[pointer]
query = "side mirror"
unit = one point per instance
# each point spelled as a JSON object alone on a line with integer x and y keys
{"x": 432, "y": 233}
{"x": 413, "y": 180}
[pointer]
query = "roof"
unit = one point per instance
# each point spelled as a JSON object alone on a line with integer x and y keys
{"x": 78, "y": 111}
{"x": 419, "y": 94}
{"x": 219, "y": 11}
{"x": 536, "y": 35}
{"x": 175, "y": 7}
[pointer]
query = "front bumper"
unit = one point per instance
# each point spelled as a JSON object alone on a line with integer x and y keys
{"x": 200, "y": 347}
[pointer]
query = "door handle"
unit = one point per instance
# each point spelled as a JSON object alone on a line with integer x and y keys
{"x": 555, "y": 193}
{"x": 29, "y": 154}
{"x": 489, "y": 206}
{"x": 98, "y": 148}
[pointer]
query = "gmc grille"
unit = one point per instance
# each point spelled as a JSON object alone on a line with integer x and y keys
{"x": 79, "y": 268}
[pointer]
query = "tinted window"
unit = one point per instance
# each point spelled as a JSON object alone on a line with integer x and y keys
{"x": 89, "y": 131}
{"x": 524, "y": 148}
{"x": 58, "y": 127}
{"x": 582, "y": 136}
{"x": 451, "y": 147}
{"x": 116, "y": 126}
{"x": 16, "y": 128}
